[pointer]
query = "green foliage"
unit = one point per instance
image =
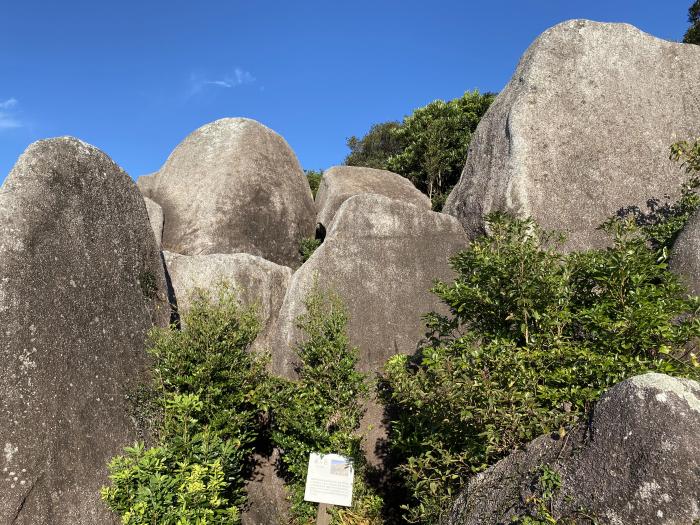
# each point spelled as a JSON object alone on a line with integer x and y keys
{"x": 374, "y": 149}
{"x": 321, "y": 411}
{"x": 547, "y": 485}
{"x": 533, "y": 337}
{"x": 307, "y": 246}
{"x": 210, "y": 391}
{"x": 429, "y": 147}
{"x": 692, "y": 36}
{"x": 314, "y": 179}
{"x": 436, "y": 139}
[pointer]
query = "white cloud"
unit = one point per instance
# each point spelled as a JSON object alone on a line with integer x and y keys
{"x": 9, "y": 103}
{"x": 8, "y": 119}
{"x": 239, "y": 77}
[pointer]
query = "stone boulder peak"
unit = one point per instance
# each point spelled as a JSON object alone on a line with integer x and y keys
{"x": 339, "y": 183}
{"x": 81, "y": 283}
{"x": 582, "y": 129}
{"x": 232, "y": 186}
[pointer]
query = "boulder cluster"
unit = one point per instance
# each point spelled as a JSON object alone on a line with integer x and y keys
{"x": 90, "y": 261}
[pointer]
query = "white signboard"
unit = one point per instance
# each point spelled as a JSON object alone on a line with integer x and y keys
{"x": 329, "y": 479}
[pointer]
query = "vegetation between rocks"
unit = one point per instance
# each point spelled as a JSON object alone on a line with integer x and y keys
{"x": 321, "y": 410}
{"x": 209, "y": 392}
{"x": 428, "y": 147}
{"x": 534, "y": 336}
{"x": 212, "y": 399}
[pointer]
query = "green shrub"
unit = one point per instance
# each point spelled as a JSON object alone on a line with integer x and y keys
{"x": 534, "y": 336}
{"x": 314, "y": 179}
{"x": 307, "y": 247}
{"x": 210, "y": 391}
{"x": 321, "y": 411}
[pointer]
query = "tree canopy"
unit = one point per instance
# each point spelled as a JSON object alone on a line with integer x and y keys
{"x": 692, "y": 36}
{"x": 429, "y": 147}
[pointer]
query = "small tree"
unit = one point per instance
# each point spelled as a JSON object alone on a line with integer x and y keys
{"x": 436, "y": 139}
{"x": 429, "y": 147}
{"x": 692, "y": 36}
{"x": 321, "y": 411}
{"x": 209, "y": 391}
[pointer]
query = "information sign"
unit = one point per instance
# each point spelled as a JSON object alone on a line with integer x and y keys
{"x": 329, "y": 479}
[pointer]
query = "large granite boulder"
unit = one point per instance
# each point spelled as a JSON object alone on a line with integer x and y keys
{"x": 634, "y": 461}
{"x": 582, "y": 129}
{"x": 381, "y": 256}
{"x": 147, "y": 185}
{"x": 234, "y": 186}
{"x": 339, "y": 183}
{"x": 256, "y": 281}
{"x": 81, "y": 282}
{"x": 685, "y": 255}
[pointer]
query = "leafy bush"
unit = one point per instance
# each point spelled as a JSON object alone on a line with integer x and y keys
{"x": 436, "y": 138}
{"x": 534, "y": 336}
{"x": 321, "y": 411}
{"x": 374, "y": 149}
{"x": 210, "y": 391}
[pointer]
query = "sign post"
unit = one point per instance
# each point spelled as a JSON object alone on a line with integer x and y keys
{"x": 329, "y": 482}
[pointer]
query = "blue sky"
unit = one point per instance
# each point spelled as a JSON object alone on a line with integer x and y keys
{"x": 135, "y": 77}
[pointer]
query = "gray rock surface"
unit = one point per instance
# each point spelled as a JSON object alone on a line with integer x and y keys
{"x": 382, "y": 257}
{"x": 636, "y": 461}
{"x": 685, "y": 255}
{"x": 147, "y": 185}
{"x": 582, "y": 129}
{"x": 155, "y": 217}
{"x": 81, "y": 282}
{"x": 339, "y": 183}
{"x": 234, "y": 186}
{"x": 267, "y": 496}
{"x": 256, "y": 281}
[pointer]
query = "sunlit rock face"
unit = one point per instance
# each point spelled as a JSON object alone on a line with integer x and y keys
{"x": 339, "y": 183}
{"x": 582, "y": 129}
{"x": 233, "y": 186}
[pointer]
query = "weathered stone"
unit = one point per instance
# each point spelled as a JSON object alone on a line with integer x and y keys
{"x": 267, "y": 495}
{"x": 155, "y": 217}
{"x": 685, "y": 256}
{"x": 148, "y": 185}
{"x": 81, "y": 282}
{"x": 582, "y": 129}
{"x": 382, "y": 257}
{"x": 339, "y": 183}
{"x": 636, "y": 462}
{"x": 255, "y": 280}
{"x": 235, "y": 186}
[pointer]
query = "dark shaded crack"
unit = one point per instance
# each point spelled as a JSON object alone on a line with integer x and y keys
{"x": 24, "y": 500}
